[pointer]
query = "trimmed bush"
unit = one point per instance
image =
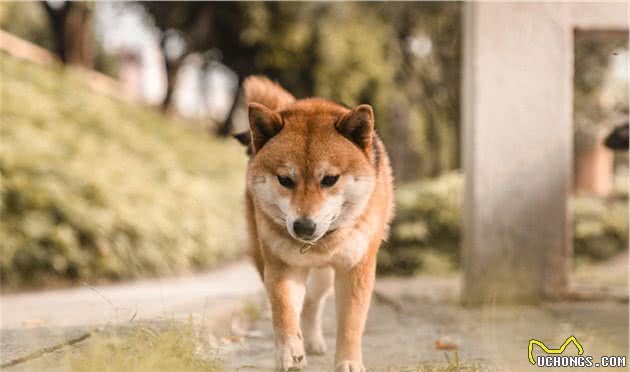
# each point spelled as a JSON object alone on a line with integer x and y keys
{"x": 97, "y": 189}
{"x": 426, "y": 230}
{"x": 428, "y": 219}
{"x": 600, "y": 226}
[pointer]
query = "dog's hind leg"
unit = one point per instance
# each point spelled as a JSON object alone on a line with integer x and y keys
{"x": 319, "y": 287}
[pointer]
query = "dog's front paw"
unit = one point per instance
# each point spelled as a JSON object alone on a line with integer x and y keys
{"x": 315, "y": 343}
{"x": 290, "y": 354}
{"x": 349, "y": 366}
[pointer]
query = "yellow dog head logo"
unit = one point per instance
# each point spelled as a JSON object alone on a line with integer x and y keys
{"x": 553, "y": 351}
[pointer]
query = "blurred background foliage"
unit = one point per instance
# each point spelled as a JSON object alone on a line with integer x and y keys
{"x": 599, "y": 102}
{"x": 402, "y": 58}
{"x": 97, "y": 188}
{"x": 426, "y": 233}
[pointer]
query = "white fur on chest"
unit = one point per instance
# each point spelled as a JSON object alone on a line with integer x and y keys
{"x": 351, "y": 248}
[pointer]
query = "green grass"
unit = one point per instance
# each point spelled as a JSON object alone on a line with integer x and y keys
{"x": 97, "y": 189}
{"x": 452, "y": 363}
{"x": 175, "y": 348}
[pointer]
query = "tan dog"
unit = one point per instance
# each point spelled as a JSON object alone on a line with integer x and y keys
{"x": 319, "y": 201}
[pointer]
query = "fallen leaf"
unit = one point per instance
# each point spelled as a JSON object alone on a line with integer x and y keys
{"x": 30, "y": 323}
{"x": 445, "y": 344}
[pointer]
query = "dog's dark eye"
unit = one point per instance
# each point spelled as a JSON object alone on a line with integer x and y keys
{"x": 286, "y": 182}
{"x": 329, "y": 181}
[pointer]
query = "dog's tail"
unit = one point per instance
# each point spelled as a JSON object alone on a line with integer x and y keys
{"x": 261, "y": 90}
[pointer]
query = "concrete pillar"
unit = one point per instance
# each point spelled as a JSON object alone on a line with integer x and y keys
{"x": 517, "y": 151}
{"x": 517, "y": 145}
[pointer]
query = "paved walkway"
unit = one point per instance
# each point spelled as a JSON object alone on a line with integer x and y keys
{"x": 410, "y": 321}
{"x": 147, "y": 299}
{"x": 36, "y": 320}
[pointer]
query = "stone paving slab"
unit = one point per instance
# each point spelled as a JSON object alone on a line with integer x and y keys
{"x": 52, "y": 362}
{"x": 19, "y": 343}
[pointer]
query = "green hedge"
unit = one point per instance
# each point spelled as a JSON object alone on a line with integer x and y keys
{"x": 96, "y": 189}
{"x": 600, "y": 226}
{"x": 426, "y": 230}
{"x": 427, "y": 223}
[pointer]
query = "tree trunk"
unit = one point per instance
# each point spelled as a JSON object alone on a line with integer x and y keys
{"x": 78, "y": 37}
{"x": 399, "y": 131}
{"x": 70, "y": 25}
{"x": 172, "y": 67}
{"x": 57, "y": 18}
{"x": 226, "y": 127}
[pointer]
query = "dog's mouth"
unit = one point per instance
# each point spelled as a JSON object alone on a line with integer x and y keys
{"x": 307, "y": 245}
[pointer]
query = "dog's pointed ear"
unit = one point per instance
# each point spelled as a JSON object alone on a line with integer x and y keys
{"x": 263, "y": 124}
{"x": 358, "y": 126}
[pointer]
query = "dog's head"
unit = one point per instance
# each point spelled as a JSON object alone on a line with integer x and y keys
{"x": 313, "y": 165}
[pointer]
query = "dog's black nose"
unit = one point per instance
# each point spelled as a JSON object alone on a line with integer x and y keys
{"x": 304, "y": 227}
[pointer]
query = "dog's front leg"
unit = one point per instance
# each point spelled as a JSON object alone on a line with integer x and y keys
{"x": 353, "y": 290}
{"x": 285, "y": 287}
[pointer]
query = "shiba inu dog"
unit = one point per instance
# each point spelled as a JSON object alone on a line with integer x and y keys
{"x": 318, "y": 203}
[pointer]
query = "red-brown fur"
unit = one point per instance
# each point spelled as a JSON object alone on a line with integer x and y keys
{"x": 311, "y": 138}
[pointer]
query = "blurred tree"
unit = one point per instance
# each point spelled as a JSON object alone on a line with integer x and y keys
{"x": 26, "y": 20}
{"x": 30, "y": 21}
{"x": 403, "y": 58}
{"x": 197, "y": 27}
{"x": 185, "y": 29}
{"x": 247, "y": 37}
{"x": 286, "y": 39}
{"x": 356, "y": 61}
{"x": 428, "y": 38}
{"x": 71, "y": 26}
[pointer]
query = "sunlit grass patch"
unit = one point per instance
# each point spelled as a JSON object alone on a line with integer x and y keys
{"x": 176, "y": 347}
